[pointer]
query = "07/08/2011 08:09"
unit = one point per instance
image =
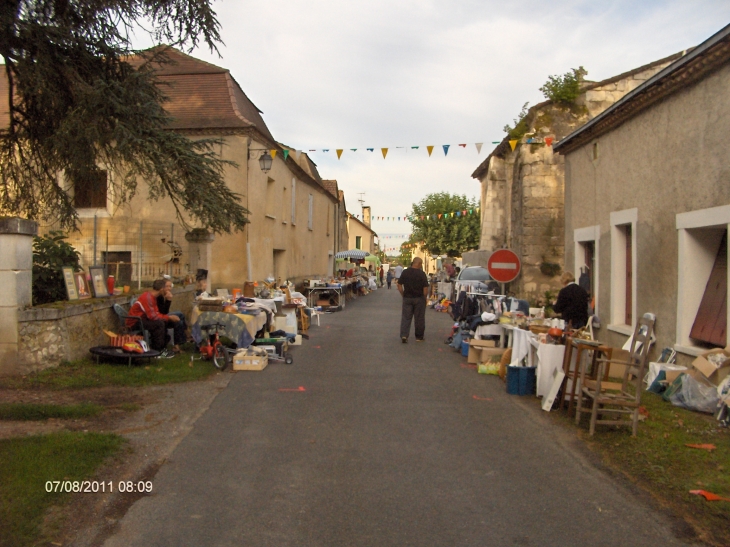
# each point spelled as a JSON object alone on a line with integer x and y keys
{"x": 92, "y": 487}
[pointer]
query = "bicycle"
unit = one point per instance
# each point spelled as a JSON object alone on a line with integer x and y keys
{"x": 212, "y": 348}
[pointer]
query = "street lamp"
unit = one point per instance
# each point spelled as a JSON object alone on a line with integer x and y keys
{"x": 265, "y": 161}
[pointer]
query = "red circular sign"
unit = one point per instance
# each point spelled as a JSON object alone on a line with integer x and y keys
{"x": 503, "y": 266}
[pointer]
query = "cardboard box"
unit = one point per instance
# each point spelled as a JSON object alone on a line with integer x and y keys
{"x": 243, "y": 361}
{"x": 715, "y": 374}
{"x": 475, "y": 348}
{"x": 297, "y": 341}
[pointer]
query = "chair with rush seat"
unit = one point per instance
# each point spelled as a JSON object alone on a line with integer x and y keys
{"x": 613, "y": 400}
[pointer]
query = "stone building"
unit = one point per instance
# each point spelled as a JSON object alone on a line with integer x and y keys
{"x": 647, "y": 191}
{"x": 522, "y": 199}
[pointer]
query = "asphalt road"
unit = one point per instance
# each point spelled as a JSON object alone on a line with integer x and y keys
{"x": 386, "y": 446}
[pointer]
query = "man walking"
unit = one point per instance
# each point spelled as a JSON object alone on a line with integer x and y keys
{"x": 398, "y": 271}
{"x": 413, "y": 286}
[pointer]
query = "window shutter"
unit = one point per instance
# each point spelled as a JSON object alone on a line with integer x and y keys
{"x": 710, "y": 325}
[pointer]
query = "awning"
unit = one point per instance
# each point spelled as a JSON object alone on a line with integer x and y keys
{"x": 357, "y": 254}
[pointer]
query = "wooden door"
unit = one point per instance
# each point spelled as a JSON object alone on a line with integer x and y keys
{"x": 710, "y": 325}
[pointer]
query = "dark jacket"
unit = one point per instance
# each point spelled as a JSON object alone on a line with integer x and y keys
{"x": 572, "y": 305}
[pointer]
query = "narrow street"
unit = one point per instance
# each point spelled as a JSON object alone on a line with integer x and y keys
{"x": 388, "y": 445}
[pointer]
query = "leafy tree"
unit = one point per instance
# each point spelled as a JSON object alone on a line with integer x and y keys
{"x": 450, "y": 235}
{"x": 565, "y": 88}
{"x": 80, "y": 96}
{"x": 51, "y": 253}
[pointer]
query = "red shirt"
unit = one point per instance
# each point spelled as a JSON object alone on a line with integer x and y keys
{"x": 146, "y": 307}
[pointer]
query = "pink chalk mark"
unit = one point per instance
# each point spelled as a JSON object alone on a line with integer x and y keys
{"x": 300, "y": 388}
{"x": 481, "y": 398}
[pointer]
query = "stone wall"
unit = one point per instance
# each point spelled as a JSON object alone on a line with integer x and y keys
{"x": 522, "y": 201}
{"x": 64, "y": 331}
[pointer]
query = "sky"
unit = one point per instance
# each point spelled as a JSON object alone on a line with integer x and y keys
{"x": 400, "y": 73}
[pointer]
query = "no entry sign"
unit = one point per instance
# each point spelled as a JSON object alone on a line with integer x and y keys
{"x": 503, "y": 266}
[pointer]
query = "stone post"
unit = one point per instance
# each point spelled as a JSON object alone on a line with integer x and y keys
{"x": 201, "y": 251}
{"x": 16, "y": 264}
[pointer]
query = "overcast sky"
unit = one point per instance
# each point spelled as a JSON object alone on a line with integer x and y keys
{"x": 388, "y": 73}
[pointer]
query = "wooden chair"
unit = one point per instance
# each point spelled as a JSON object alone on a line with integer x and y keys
{"x": 614, "y": 399}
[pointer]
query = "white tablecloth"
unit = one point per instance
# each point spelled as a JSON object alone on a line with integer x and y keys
{"x": 488, "y": 330}
{"x": 549, "y": 358}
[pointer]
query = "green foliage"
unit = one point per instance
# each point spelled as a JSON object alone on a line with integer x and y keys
{"x": 566, "y": 88}
{"x": 446, "y": 236}
{"x": 82, "y": 98}
{"x": 29, "y": 411}
{"x": 51, "y": 253}
{"x": 520, "y": 124}
{"x": 25, "y": 466}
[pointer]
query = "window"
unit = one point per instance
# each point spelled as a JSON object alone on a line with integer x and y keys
{"x": 710, "y": 324}
{"x": 623, "y": 270}
{"x": 702, "y": 279}
{"x": 90, "y": 190}
{"x": 271, "y": 198}
{"x": 587, "y": 242}
{"x": 310, "y": 221}
{"x": 284, "y": 205}
{"x": 293, "y": 201}
{"x": 358, "y": 242}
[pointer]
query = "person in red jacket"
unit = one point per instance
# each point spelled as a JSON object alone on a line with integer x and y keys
{"x": 153, "y": 321}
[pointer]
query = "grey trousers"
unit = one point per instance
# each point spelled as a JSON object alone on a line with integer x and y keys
{"x": 413, "y": 308}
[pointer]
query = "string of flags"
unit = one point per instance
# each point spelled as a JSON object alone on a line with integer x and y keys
{"x": 547, "y": 141}
{"x": 439, "y": 216}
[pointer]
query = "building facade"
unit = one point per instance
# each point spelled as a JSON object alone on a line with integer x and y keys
{"x": 522, "y": 186}
{"x": 647, "y": 203}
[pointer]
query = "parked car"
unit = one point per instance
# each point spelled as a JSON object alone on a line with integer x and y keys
{"x": 476, "y": 278}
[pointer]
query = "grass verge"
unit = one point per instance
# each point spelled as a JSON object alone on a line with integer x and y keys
{"x": 659, "y": 461}
{"x": 86, "y": 373}
{"x": 28, "y": 411}
{"x": 26, "y": 464}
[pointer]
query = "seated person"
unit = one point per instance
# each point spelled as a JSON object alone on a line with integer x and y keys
{"x": 152, "y": 320}
{"x": 163, "y": 305}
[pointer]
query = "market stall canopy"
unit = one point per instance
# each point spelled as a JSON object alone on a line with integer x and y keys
{"x": 357, "y": 254}
{"x": 374, "y": 259}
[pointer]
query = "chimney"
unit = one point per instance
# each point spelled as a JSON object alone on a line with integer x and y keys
{"x": 366, "y": 214}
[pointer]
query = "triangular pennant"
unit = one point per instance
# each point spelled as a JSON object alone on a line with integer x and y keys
{"x": 384, "y": 151}
{"x": 414, "y": 147}
{"x": 430, "y": 149}
{"x": 446, "y": 149}
{"x": 339, "y": 153}
{"x": 273, "y": 154}
{"x": 463, "y": 145}
{"x": 353, "y": 149}
{"x": 370, "y": 149}
{"x": 439, "y": 215}
{"x": 464, "y": 212}
{"x": 458, "y": 213}
{"x": 479, "y": 147}
{"x": 325, "y": 150}
{"x": 549, "y": 141}
{"x": 513, "y": 144}
{"x": 286, "y": 154}
{"x": 471, "y": 211}
{"x": 297, "y": 153}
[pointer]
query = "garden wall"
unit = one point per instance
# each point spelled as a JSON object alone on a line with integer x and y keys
{"x": 64, "y": 331}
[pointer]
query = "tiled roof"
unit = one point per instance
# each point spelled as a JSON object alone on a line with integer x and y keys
{"x": 331, "y": 187}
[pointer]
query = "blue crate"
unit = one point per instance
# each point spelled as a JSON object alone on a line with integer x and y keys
{"x": 521, "y": 380}
{"x": 465, "y": 348}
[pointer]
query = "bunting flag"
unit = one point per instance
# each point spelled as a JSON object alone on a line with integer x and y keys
{"x": 513, "y": 144}
{"x": 439, "y": 215}
{"x": 297, "y": 153}
{"x": 549, "y": 141}
{"x": 463, "y": 145}
{"x": 339, "y": 153}
{"x": 414, "y": 147}
{"x": 479, "y": 147}
{"x": 446, "y": 149}
{"x": 273, "y": 154}
{"x": 353, "y": 149}
{"x": 384, "y": 151}
{"x": 370, "y": 149}
{"x": 286, "y": 154}
{"x": 325, "y": 150}
{"x": 430, "y": 149}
